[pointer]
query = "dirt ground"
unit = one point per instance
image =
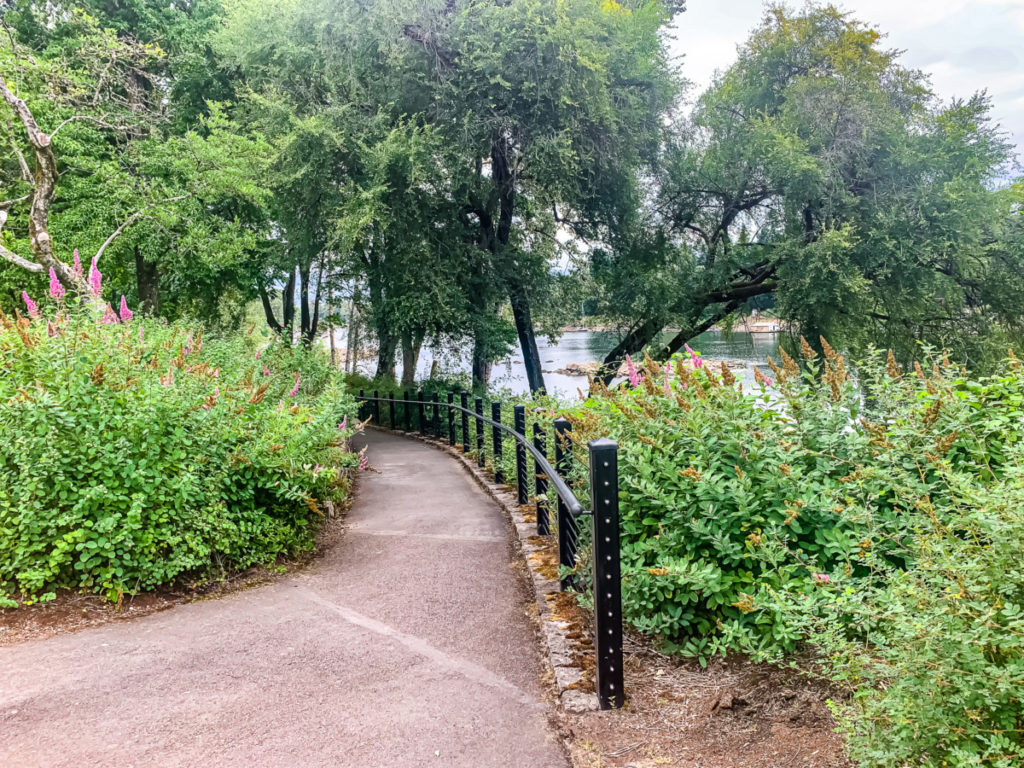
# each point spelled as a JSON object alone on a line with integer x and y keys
{"x": 733, "y": 714}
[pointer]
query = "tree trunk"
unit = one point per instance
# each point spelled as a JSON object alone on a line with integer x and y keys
{"x": 288, "y": 304}
{"x": 481, "y": 365}
{"x": 147, "y": 281}
{"x": 527, "y": 338}
{"x": 411, "y": 348}
{"x": 387, "y": 345}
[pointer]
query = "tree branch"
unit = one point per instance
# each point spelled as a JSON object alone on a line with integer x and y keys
{"x": 132, "y": 219}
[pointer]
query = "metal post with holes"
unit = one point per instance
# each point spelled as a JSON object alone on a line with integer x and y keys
{"x": 451, "y": 419}
{"x": 567, "y": 532}
{"x": 436, "y": 417}
{"x": 519, "y": 413}
{"x": 604, "y": 496}
{"x": 464, "y": 402}
{"x": 391, "y": 411}
{"x": 499, "y": 475}
{"x": 479, "y": 431}
{"x": 376, "y": 407}
{"x": 421, "y": 412}
{"x": 407, "y": 407}
{"x": 540, "y": 483}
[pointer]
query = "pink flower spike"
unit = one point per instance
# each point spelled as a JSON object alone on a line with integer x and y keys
{"x": 140, "y": 335}
{"x": 109, "y": 317}
{"x": 266, "y": 371}
{"x": 295, "y": 389}
{"x": 51, "y": 329}
{"x": 95, "y": 279}
{"x": 125, "y": 313}
{"x": 33, "y": 309}
{"x": 76, "y": 270}
{"x": 258, "y": 351}
{"x": 343, "y": 424}
{"x": 695, "y": 358}
{"x": 634, "y": 377}
{"x": 668, "y": 386}
{"x": 821, "y": 578}
{"x": 318, "y": 469}
{"x": 56, "y": 289}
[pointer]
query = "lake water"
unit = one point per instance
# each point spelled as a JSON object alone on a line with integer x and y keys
{"x": 740, "y": 347}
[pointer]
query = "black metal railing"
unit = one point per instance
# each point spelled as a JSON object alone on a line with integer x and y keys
{"x": 604, "y": 502}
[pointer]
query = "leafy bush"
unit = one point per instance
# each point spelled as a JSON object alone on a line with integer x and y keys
{"x": 136, "y": 452}
{"x": 879, "y": 520}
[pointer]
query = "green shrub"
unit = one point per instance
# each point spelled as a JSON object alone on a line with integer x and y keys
{"x": 137, "y": 452}
{"x": 878, "y": 520}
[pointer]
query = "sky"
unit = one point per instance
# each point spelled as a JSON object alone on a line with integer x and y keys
{"x": 964, "y": 45}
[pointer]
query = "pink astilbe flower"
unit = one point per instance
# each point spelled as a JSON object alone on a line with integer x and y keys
{"x": 125, "y": 313}
{"x": 668, "y": 386}
{"x": 821, "y": 579}
{"x": 168, "y": 380}
{"x": 140, "y": 335}
{"x": 95, "y": 279}
{"x": 295, "y": 389}
{"x": 187, "y": 348}
{"x": 258, "y": 353}
{"x": 266, "y": 371}
{"x": 364, "y": 463}
{"x": 33, "y": 309}
{"x": 634, "y": 376}
{"x": 344, "y": 423}
{"x": 76, "y": 269}
{"x": 318, "y": 469}
{"x": 695, "y": 358}
{"x": 51, "y": 329}
{"x": 110, "y": 317}
{"x": 56, "y": 289}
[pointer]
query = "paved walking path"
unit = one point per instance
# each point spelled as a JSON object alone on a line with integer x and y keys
{"x": 406, "y": 645}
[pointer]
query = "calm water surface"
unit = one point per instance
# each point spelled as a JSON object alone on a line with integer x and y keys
{"x": 749, "y": 349}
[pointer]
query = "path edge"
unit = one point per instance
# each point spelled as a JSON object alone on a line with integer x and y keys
{"x": 556, "y": 645}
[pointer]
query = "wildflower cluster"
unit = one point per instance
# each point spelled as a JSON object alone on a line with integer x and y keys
{"x": 138, "y": 452}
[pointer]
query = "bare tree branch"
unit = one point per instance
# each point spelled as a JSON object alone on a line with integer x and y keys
{"x": 132, "y": 219}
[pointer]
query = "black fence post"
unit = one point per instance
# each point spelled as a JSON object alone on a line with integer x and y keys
{"x": 451, "y": 419}
{"x": 407, "y": 407}
{"x": 540, "y": 482}
{"x": 361, "y": 406}
{"x": 376, "y": 407}
{"x": 391, "y": 410}
{"x": 499, "y": 475}
{"x": 519, "y": 413}
{"x": 604, "y": 496}
{"x": 479, "y": 431}
{"x": 436, "y": 420}
{"x": 567, "y": 532}
{"x": 421, "y": 412}
{"x": 464, "y": 402}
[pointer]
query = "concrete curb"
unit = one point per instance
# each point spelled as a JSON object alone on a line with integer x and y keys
{"x": 560, "y": 649}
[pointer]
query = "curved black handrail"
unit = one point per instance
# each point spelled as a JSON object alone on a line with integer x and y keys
{"x": 561, "y": 487}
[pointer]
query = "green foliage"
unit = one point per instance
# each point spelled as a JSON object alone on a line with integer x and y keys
{"x": 140, "y": 452}
{"x": 878, "y": 520}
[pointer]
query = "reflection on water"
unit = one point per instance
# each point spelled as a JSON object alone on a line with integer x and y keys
{"x": 584, "y": 346}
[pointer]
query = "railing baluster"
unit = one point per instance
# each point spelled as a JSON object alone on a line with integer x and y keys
{"x": 567, "y": 532}
{"x": 376, "y": 407}
{"x": 407, "y": 408}
{"x": 361, "y": 405}
{"x": 479, "y": 432}
{"x": 421, "y": 412}
{"x": 436, "y": 420}
{"x": 604, "y": 491}
{"x": 499, "y": 475}
{"x": 519, "y": 413}
{"x": 464, "y": 402}
{"x": 540, "y": 482}
{"x": 391, "y": 411}
{"x": 451, "y": 419}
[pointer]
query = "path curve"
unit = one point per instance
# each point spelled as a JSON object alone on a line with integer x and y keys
{"x": 408, "y": 644}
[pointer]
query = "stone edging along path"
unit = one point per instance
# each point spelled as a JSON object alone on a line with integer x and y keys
{"x": 564, "y": 628}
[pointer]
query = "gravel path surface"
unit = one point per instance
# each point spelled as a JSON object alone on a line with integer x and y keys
{"x": 408, "y": 644}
